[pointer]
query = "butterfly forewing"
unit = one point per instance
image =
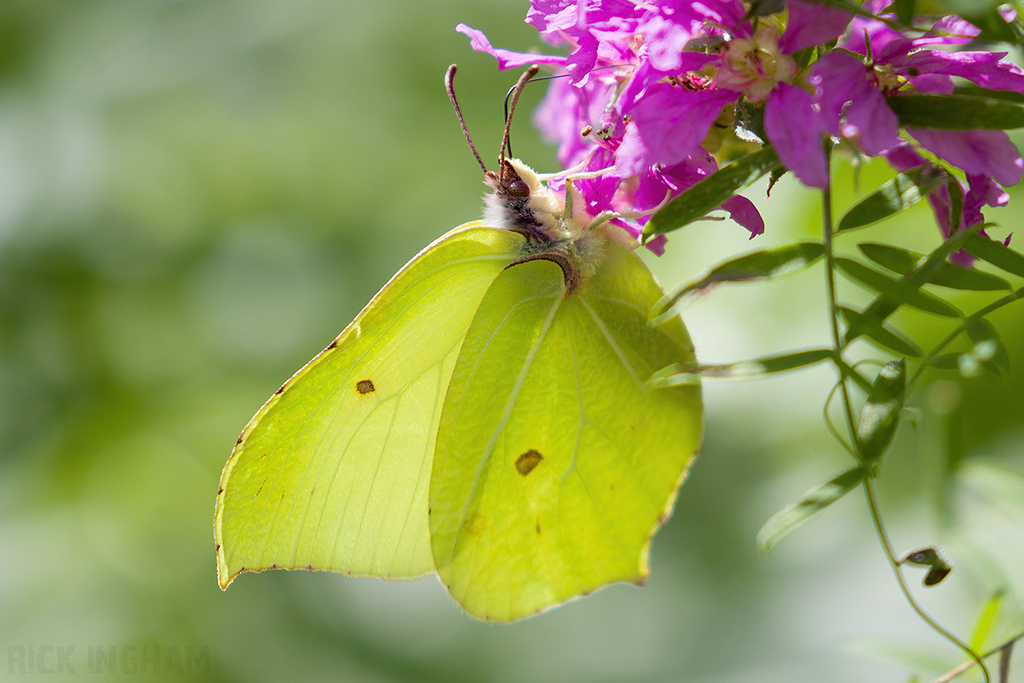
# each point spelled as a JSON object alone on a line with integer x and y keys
{"x": 332, "y": 473}
{"x": 554, "y": 463}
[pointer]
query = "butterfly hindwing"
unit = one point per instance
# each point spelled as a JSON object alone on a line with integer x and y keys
{"x": 332, "y": 473}
{"x": 554, "y": 463}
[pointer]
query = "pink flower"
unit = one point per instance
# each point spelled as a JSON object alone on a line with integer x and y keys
{"x": 650, "y": 83}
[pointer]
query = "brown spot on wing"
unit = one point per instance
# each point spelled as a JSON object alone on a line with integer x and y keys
{"x": 365, "y": 386}
{"x": 527, "y": 461}
{"x": 474, "y": 524}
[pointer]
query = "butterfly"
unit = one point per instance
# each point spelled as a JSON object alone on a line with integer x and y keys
{"x": 485, "y": 417}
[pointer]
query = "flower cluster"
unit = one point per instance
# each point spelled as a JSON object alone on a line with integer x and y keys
{"x": 650, "y": 87}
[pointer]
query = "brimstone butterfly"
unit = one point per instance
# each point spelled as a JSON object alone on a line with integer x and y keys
{"x": 484, "y": 417}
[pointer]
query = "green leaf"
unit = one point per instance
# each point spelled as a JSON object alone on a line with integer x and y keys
{"x": 881, "y": 308}
{"x": 881, "y": 413}
{"x": 994, "y": 29}
{"x": 692, "y": 373}
{"x": 764, "y": 264}
{"x": 955, "y": 112}
{"x": 761, "y": 8}
{"x": 902, "y": 261}
{"x": 985, "y": 620}
{"x": 898, "y": 194}
{"x": 709, "y": 193}
{"x": 814, "y": 501}
{"x": 988, "y": 348}
{"x": 868, "y": 325}
{"x": 904, "y": 11}
{"x": 945, "y": 361}
{"x": 895, "y": 291}
{"x": 995, "y": 253}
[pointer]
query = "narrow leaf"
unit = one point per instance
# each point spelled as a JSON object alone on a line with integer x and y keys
{"x": 994, "y": 29}
{"x": 945, "y": 361}
{"x": 868, "y": 325}
{"x": 904, "y": 11}
{"x": 995, "y": 253}
{"x": 902, "y": 261}
{"x": 955, "y": 112}
{"x": 894, "y": 291}
{"x": 691, "y": 373}
{"x": 898, "y": 194}
{"x": 881, "y": 413}
{"x": 881, "y": 308}
{"x": 709, "y": 193}
{"x": 988, "y": 348}
{"x": 765, "y": 264}
{"x": 814, "y": 501}
{"x": 985, "y": 620}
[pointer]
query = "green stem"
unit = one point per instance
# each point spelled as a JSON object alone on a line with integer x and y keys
{"x": 830, "y": 282}
{"x": 953, "y": 673}
{"x": 880, "y": 530}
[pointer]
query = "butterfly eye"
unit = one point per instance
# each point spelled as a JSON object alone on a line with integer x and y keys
{"x": 519, "y": 189}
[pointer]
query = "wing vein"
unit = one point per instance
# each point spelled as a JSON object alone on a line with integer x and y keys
{"x": 614, "y": 345}
{"x": 513, "y": 396}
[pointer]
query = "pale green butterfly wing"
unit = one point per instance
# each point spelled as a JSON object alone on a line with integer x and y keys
{"x": 554, "y": 463}
{"x": 332, "y": 473}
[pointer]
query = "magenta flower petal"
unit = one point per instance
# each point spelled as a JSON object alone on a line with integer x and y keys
{"x": 667, "y": 124}
{"x": 665, "y": 44}
{"x": 982, "y": 191}
{"x": 933, "y": 84}
{"x": 978, "y": 152}
{"x": 987, "y": 69}
{"x": 951, "y": 30}
{"x": 795, "y": 131}
{"x": 846, "y": 96}
{"x": 742, "y": 211}
{"x": 657, "y": 245}
{"x": 633, "y": 154}
{"x": 871, "y": 122}
{"x": 552, "y": 17}
{"x": 582, "y": 60}
{"x": 506, "y": 59}
{"x": 811, "y": 24}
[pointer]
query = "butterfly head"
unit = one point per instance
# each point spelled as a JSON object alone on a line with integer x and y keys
{"x": 520, "y": 201}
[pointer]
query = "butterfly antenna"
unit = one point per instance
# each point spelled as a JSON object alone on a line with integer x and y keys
{"x": 449, "y": 86}
{"x": 510, "y": 108}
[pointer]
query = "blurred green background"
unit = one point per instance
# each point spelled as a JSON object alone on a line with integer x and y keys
{"x": 195, "y": 198}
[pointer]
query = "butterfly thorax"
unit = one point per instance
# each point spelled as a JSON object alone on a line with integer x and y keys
{"x": 521, "y": 202}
